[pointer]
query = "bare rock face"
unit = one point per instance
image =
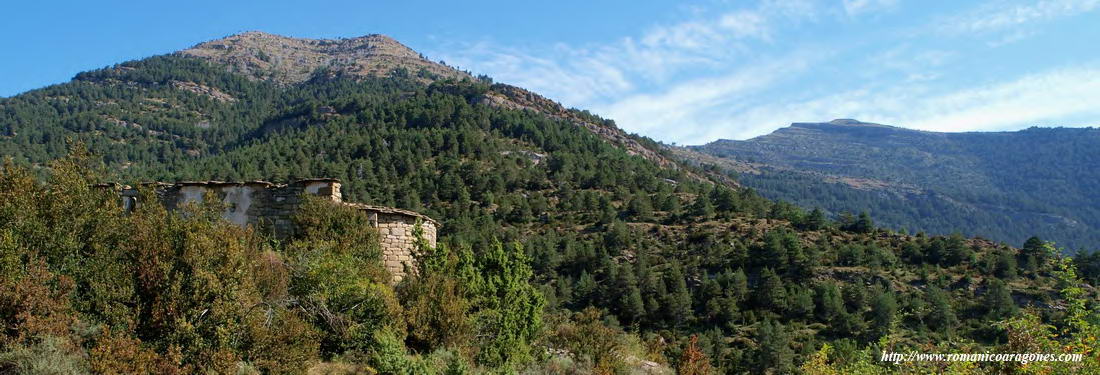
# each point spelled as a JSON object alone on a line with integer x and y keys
{"x": 211, "y": 92}
{"x": 286, "y": 60}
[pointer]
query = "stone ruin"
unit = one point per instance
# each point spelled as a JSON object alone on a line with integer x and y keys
{"x": 270, "y": 207}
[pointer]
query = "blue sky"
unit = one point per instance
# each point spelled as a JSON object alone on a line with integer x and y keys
{"x": 686, "y": 72}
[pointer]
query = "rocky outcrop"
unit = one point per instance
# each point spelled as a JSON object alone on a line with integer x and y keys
{"x": 203, "y": 90}
{"x": 286, "y": 60}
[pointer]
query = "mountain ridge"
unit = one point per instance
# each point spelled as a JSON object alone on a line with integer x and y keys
{"x": 251, "y": 54}
{"x": 289, "y": 60}
{"x": 856, "y": 166}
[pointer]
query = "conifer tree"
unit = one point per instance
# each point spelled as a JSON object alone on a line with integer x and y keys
{"x": 632, "y": 307}
{"x": 678, "y": 300}
{"x": 998, "y": 300}
{"x": 883, "y": 310}
{"x": 701, "y": 208}
{"x": 772, "y": 294}
{"x": 941, "y": 315}
{"x": 1033, "y": 254}
{"x": 815, "y": 220}
{"x": 738, "y": 285}
{"x": 830, "y": 305}
{"x": 774, "y": 353}
{"x": 1004, "y": 266}
{"x": 639, "y": 208}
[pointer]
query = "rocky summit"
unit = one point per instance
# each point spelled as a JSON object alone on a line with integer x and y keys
{"x": 289, "y": 60}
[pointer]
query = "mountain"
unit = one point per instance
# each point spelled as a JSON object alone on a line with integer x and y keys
{"x": 219, "y": 94}
{"x": 1006, "y": 186}
{"x": 285, "y": 60}
{"x": 567, "y": 245}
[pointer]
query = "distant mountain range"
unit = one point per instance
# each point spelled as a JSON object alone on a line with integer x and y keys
{"x": 1005, "y": 186}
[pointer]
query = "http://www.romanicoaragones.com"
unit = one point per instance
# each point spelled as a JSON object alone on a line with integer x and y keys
{"x": 979, "y": 357}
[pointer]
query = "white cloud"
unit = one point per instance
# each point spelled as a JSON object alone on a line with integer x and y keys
{"x": 712, "y": 77}
{"x": 1013, "y": 37}
{"x": 587, "y": 75}
{"x": 687, "y": 111}
{"x": 857, "y": 7}
{"x": 910, "y": 60}
{"x": 706, "y": 34}
{"x": 1000, "y": 15}
{"x": 576, "y": 77}
{"x": 1039, "y": 99}
{"x": 1049, "y": 96}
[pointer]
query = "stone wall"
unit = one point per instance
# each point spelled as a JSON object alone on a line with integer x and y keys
{"x": 396, "y": 233}
{"x": 270, "y": 207}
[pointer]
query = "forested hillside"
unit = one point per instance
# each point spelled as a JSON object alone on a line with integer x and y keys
{"x": 1006, "y": 186}
{"x": 567, "y": 246}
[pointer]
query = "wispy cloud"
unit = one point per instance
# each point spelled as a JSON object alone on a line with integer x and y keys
{"x": 697, "y": 110}
{"x": 1056, "y": 95}
{"x": 580, "y": 75}
{"x": 858, "y": 7}
{"x": 739, "y": 73}
{"x": 1000, "y": 15}
{"x": 705, "y": 34}
{"x": 571, "y": 75}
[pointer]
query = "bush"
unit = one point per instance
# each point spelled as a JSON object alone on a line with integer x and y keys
{"x": 49, "y": 356}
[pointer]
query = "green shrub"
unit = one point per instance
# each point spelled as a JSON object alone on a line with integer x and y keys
{"x": 49, "y": 356}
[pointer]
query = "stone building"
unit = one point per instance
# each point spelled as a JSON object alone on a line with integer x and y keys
{"x": 270, "y": 207}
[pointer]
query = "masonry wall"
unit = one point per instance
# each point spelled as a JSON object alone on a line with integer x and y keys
{"x": 396, "y": 234}
{"x": 270, "y": 208}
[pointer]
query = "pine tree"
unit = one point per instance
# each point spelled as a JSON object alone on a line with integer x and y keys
{"x": 670, "y": 203}
{"x": 584, "y": 291}
{"x": 773, "y": 252}
{"x": 701, "y": 208}
{"x": 863, "y": 224}
{"x": 1033, "y": 254}
{"x": 640, "y": 208}
{"x": 737, "y": 285}
{"x": 814, "y": 221}
{"x": 631, "y": 306}
{"x": 829, "y": 303}
{"x": 1004, "y": 266}
{"x": 957, "y": 250}
{"x": 998, "y": 300}
{"x": 772, "y": 294}
{"x": 678, "y": 300}
{"x": 709, "y": 296}
{"x": 774, "y": 354}
{"x": 883, "y": 310}
{"x": 725, "y": 200}
{"x": 800, "y": 302}
{"x": 941, "y": 315}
